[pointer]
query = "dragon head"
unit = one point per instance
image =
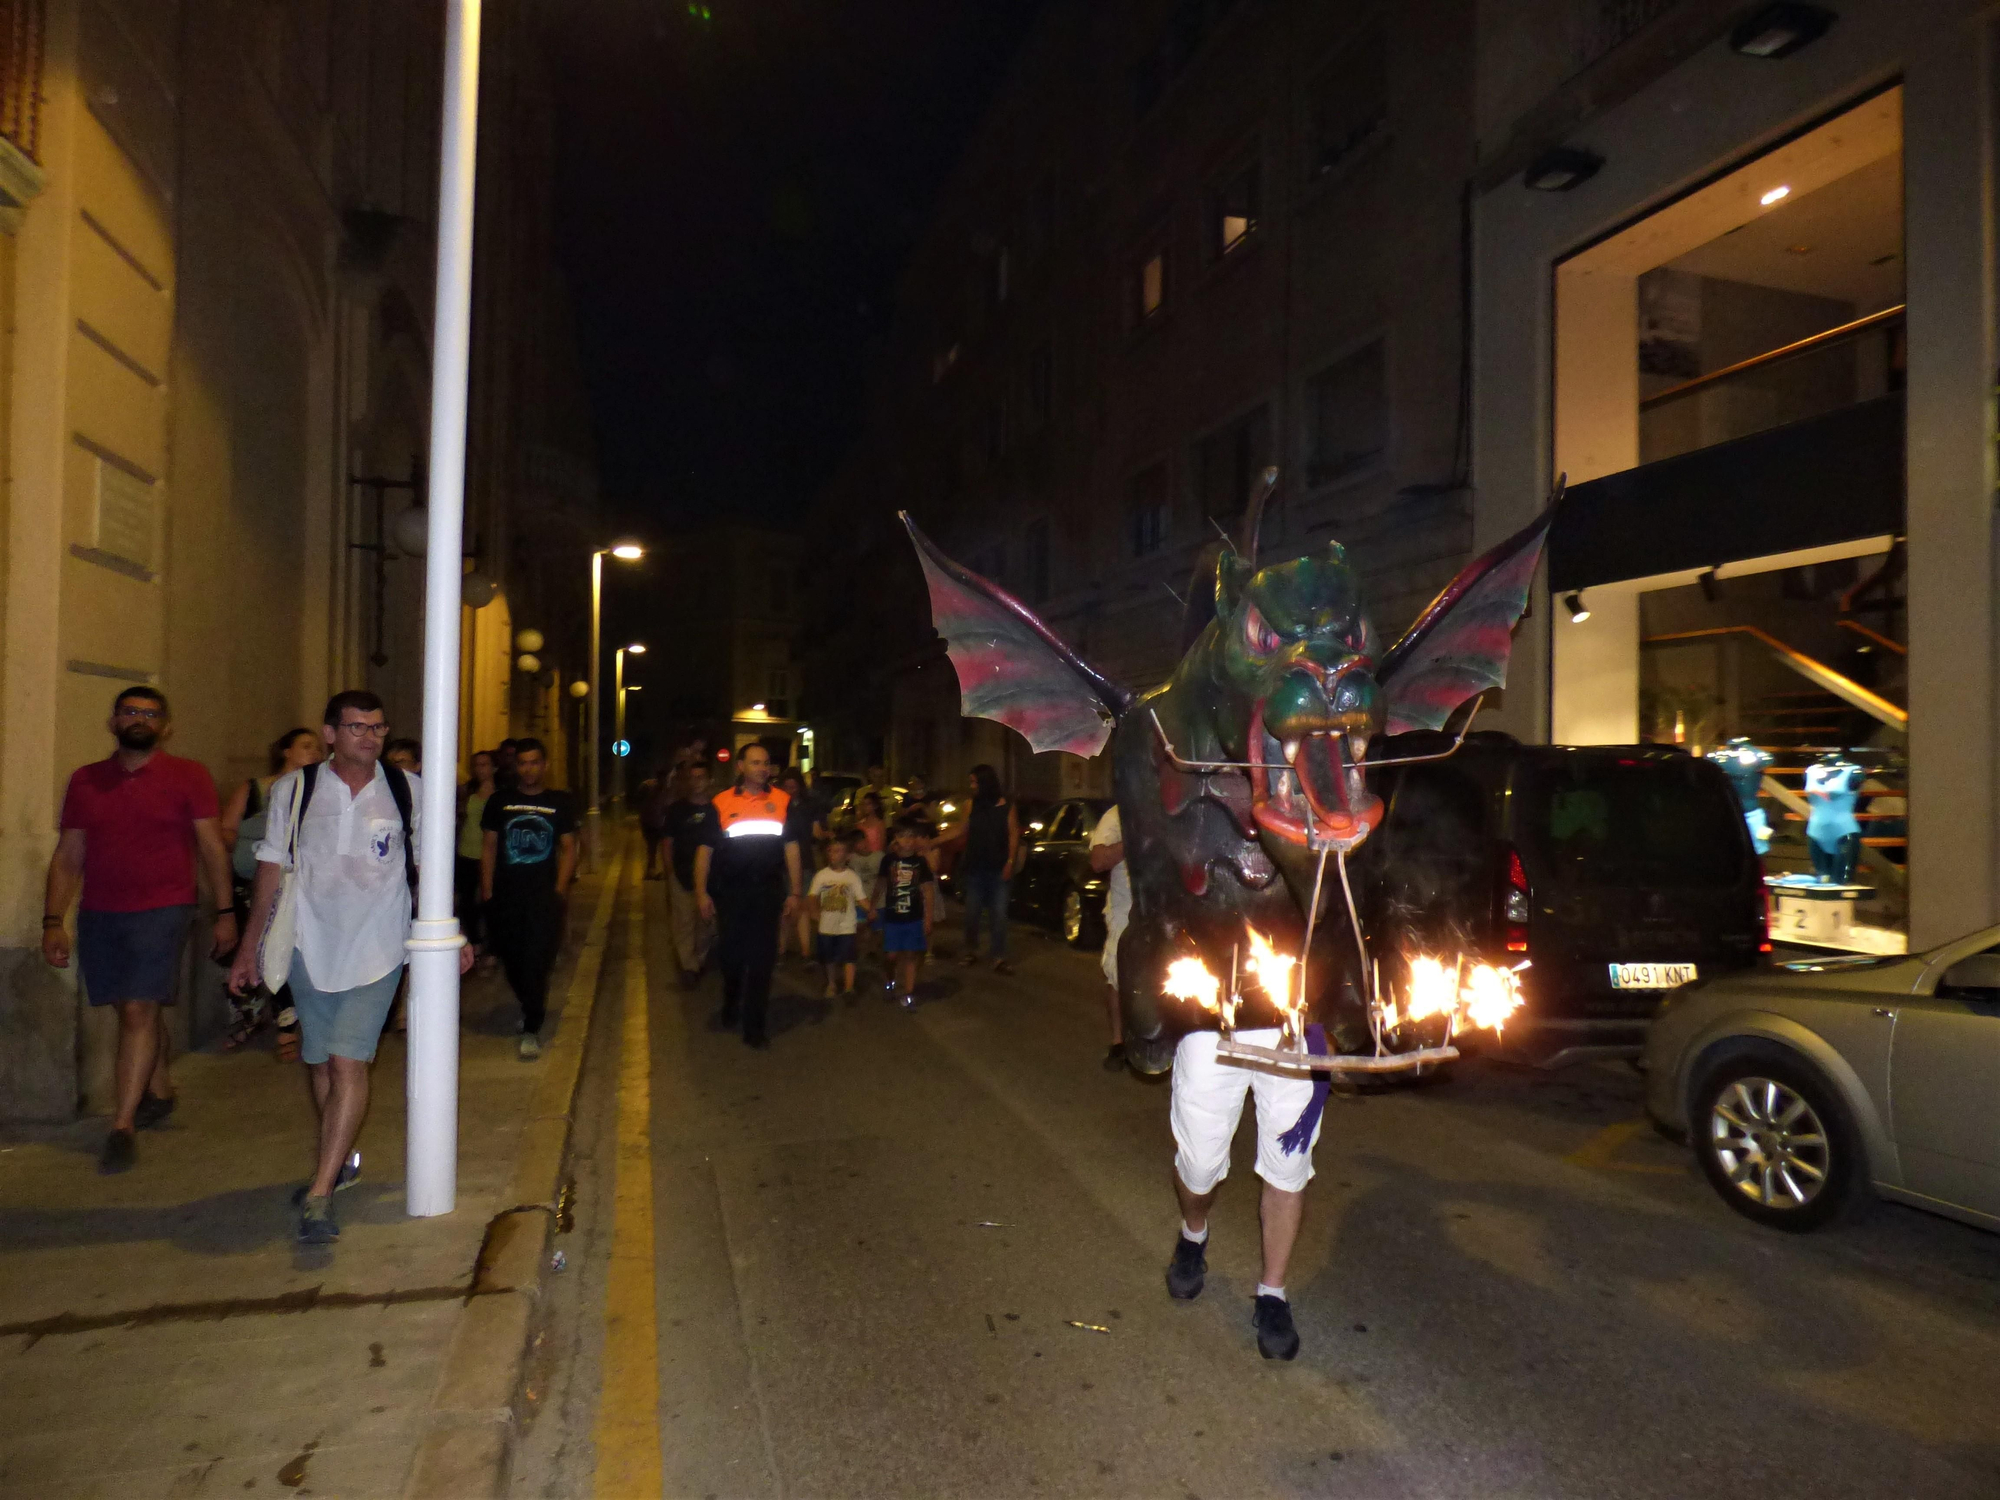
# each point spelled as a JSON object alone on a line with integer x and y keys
{"x": 1291, "y": 666}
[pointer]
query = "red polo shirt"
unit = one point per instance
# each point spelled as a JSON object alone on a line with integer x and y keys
{"x": 138, "y": 830}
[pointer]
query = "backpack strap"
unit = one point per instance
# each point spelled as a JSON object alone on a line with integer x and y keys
{"x": 308, "y": 779}
{"x": 399, "y": 789}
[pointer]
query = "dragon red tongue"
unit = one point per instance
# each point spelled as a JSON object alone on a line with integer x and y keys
{"x": 1321, "y": 775}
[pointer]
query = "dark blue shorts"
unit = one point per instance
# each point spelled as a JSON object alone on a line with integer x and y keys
{"x": 131, "y": 955}
{"x": 836, "y": 947}
{"x": 904, "y": 937}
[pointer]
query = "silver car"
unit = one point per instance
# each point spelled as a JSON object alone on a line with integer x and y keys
{"x": 1805, "y": 1085}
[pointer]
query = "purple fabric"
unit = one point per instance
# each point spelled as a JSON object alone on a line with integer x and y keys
{"x": 1300, "y": 1136}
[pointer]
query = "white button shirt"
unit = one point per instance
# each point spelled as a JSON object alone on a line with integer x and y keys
{"x": 354, "y": 900}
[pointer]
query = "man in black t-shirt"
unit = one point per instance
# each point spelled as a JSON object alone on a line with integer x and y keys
{"x": 684, "y": 821}
{"x": 524, "y": 874}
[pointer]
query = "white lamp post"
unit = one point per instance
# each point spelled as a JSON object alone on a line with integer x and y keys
{"x": 624, "y": 552}
{"x": 431, "y": 1080}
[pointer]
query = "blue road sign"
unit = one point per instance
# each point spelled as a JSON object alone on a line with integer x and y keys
{"x": 621, "y": 748}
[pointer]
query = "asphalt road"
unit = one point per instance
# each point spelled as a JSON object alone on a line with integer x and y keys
{"x": 1506, "y": 1285}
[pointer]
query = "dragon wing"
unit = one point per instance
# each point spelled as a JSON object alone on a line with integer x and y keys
{"x": 1458, "y": 647}
{"x": 1011, "y": 667}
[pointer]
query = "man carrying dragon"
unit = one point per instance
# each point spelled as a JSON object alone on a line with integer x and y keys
{"x": 1235, "y": 779}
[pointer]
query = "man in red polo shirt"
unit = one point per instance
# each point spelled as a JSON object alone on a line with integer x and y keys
{"x": 131, "y": 826}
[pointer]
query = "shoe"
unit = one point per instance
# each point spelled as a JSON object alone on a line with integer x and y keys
{"x": 316, "y": 1225}
{"x": 907, "y": 1002}
{"x": 1187, "y": 1270}
{"x": 757, "y": 1043}
{"x": 119, "y": 1154}
{"x": 1002, "y": 967}
{"x": 531, "y": 1046}
{"x": 152, "y": 1109}
{"x": 1114, "y": 1058}
{"x": 345, "y": 1178}
{"x": 967, "y": 959}
{"x": 1276, "y": 1338}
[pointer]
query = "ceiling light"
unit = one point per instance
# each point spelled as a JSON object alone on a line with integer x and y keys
{"x": 1578, "y": 611}
{"x": 1780, "y": 191}
{"x": 1561, "y": 168}
{"x": 1780, "y": 30}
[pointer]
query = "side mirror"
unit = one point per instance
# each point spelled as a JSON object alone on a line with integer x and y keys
{"x": 1979, "y": 972}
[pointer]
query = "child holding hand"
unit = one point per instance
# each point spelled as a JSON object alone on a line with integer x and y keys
{"x": 905, "y": 891}
{"x": 837, "y": 894}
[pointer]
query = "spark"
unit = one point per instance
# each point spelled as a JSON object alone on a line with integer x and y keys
{"x": 1189, "y": 979}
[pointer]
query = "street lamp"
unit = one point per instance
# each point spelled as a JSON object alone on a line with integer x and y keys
{"x": 624, "y": 552}
{"x": 618, "y": 769}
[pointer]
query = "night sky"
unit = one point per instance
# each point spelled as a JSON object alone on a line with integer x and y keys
{"x": 739, "y": 192}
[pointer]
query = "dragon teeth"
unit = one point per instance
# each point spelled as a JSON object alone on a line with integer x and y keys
{"x": 1291, "y": 752}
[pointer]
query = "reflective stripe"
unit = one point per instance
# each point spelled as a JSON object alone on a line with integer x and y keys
{"x": 744, "y": 828}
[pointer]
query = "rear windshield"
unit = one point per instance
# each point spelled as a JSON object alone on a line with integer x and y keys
{"x": 1605, "y": 822}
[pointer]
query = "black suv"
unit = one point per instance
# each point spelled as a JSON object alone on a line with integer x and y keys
{"x": 1619, "y": 872}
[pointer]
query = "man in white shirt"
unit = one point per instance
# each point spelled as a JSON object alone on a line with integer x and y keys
{"x": 354, "y": 858}
{"x": 1107, "y": 852}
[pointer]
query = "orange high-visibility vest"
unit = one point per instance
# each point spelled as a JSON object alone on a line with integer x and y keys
{"x": 745, "y": 814}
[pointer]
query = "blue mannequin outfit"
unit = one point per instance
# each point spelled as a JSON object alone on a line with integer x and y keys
{"x": 1833, "y": 787}
{"x": 1744, "y": 764}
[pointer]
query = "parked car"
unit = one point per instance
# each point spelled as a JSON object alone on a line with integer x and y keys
{"x": 1617, "y": 872}
{"x": 1804, "y": 1086}
{"x": 1055, "y": 883}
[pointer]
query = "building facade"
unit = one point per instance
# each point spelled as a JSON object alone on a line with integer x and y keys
{"x": 1734, "y": 277}
{"x": 216, "y": 243}
{"x": 1190, "y": 240}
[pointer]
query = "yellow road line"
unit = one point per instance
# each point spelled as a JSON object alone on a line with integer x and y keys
{"x": 628, "y": 1413}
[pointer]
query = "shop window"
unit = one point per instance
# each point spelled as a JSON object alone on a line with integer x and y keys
{"x": 1350, "y": 104}
{"x": 1228, "y": 460}
{"x": 1150, "y": 520}
{"x": 1233, "y": 208}
{"x": 1347, "y": 416}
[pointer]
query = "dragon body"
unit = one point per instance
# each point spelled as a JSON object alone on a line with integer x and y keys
{"x": 1239, "y": 775}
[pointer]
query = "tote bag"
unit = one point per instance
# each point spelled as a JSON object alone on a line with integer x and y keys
{"x": 281, "y": 933}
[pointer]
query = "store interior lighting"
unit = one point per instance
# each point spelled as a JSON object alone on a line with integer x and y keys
{"x": 1578, "y": 610}
{"x": 1780, "y": 30}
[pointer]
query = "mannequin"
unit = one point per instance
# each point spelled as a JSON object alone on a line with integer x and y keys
{"x": 1744, "y": 764}
{"x": 1833, "y": 786}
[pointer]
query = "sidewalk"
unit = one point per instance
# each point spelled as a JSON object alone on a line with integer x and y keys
{"x": 162, "y": 1333}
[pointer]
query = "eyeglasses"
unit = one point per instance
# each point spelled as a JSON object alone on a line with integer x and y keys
{"x": 379, "y": 731}
{"x": 151, "y": 715}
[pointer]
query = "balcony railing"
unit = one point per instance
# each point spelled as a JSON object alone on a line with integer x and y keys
{"x": 22, "y": 37}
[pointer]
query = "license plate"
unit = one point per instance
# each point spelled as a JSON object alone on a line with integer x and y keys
{"x": 1650, "y": 976}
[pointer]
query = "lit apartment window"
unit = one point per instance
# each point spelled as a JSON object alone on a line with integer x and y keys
{"x": 1226, "y": 462}
{"x": 1233, "y": 208}
{"x": 1147, "y": 511}
{"x": 1347, "y": 415}
{"x": 1149, "y": 286}
{"x": 1350, "y": 103}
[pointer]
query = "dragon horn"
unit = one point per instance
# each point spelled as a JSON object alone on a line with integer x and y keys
{"x": 1254, "y": 515}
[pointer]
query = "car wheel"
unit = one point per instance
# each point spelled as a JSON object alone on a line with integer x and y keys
{"x": 1776, "y": 1141}
{"x": 1080, "y": 926}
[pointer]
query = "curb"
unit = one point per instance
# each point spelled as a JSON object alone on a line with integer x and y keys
{"x": 474, "y": 1418}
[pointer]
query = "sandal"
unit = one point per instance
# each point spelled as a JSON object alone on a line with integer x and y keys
{"x": 288, "y": 1046}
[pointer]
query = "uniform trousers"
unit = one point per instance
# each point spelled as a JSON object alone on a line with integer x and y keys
{"x": 746, "y": 951}
{"x": 525, "y": 932}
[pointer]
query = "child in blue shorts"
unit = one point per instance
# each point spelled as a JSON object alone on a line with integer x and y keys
{"x": 838, "y": 895}
{"x": 904, "y": 894}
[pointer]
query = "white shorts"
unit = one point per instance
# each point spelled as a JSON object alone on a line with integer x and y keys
{"x": 1114, "y": 930}
{"x": 1208, "y": 1103}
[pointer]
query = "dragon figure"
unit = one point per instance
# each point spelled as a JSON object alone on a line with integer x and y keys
{"x": 1237, "y": 775}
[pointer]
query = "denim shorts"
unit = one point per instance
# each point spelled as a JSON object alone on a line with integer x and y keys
{"x": 836, "y": 947}
{"x": 131, "y": 955}
{"x": 904, "y": 937}
{"x": 345, "y": 1023}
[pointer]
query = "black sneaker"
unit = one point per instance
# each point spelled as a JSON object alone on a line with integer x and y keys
{"x": 1114, "y": 1058}
{"x": 119, "y": 1154}
{"x": 152, "y": 1109}
{"x": 316, "y": 1225}
{"x": 1187, "y": 1270}
{"x": 1276, "y": 1338}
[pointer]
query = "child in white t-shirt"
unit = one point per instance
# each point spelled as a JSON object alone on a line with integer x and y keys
{"x": 837, "y": 895}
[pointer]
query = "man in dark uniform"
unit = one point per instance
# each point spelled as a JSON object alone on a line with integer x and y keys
{"x": 747, "y": 877}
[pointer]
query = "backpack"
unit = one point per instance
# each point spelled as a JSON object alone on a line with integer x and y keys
{"x": 399, "y": 793}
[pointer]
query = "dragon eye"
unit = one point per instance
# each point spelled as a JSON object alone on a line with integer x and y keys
{"x": 1258, "y": 635}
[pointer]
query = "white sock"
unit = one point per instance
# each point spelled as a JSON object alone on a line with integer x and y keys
{"x": 1271, "y": 1291}
{"x": 1200, "y": 1238}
